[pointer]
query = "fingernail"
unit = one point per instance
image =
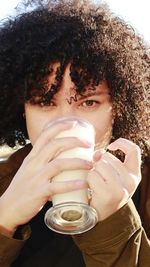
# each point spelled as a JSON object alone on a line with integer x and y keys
{"x": 101, "y": 151}
{"x": 89, "y": 144}
{"x": 89, "y": 164}
{"x": 81, "y": 183}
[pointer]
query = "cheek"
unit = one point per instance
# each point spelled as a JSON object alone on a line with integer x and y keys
{"x": 103, "y": 126}
{"x": 35, "y": 123}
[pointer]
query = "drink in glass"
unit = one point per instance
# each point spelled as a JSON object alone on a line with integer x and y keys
{"x": 71, "y": 213}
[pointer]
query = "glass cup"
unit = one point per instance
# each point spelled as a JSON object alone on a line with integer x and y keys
{"x": 71, "y": 213}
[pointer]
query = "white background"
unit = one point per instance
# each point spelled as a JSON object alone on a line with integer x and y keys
{"x": 135, "y": 12}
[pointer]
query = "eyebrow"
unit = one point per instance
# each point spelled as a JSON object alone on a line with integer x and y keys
{"x": 91, "y": 94}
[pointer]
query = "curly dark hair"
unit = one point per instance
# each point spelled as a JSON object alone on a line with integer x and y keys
{"x": 89, "y": 36}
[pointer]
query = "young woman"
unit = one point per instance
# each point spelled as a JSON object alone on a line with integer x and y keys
{"x": 74, "y": 58}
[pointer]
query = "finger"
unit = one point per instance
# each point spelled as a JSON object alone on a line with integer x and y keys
{"x": 106, "y": 198}
{"x": 57, "y": 146}
{"x": 104, "y": 189}
{"x": 49, "y": 133}
{"x": 127, "y": 177}
{"x": 97, "y": 154}
{"x": 96, "y": 182}
{"x": 108, "y": 172}
{"x": 112, "y": 178}
{"x": 56, "y": 166}
{"x": 63, "y": 187}
{"x": 132, "y": 153}
{"x": 114, "y": 162}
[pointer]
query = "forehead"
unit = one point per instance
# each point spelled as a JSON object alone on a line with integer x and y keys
{"x": 67, "y": 84}
{"x": 71, "y": 95}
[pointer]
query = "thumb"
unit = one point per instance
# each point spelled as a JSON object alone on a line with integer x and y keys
{"x": 132, "y": 154}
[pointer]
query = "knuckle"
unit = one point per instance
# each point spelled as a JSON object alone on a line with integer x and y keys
{"x": 93, "y": 177}
{"x": 58, "y": 163}
{"x": 53, "y": 142}
{"x": 51, "y": 190}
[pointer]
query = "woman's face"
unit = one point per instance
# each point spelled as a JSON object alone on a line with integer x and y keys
{"x": 95, "y": 106}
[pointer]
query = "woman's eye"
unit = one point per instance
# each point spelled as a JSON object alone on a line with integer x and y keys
{"x": 90, "y": 103}
{"x": 45, "y": 103}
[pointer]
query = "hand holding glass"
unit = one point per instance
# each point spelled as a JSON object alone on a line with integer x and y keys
{"x": 71, "y": 213}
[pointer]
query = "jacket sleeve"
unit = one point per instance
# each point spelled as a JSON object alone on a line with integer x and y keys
{"x": 118, "y": 241}
{"x": 10, "y": 247}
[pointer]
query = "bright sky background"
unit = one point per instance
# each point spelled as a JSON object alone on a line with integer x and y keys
{"x": 135, "y": 12}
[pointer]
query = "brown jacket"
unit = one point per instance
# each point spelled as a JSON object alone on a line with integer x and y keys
{"x": 118, "y": 241}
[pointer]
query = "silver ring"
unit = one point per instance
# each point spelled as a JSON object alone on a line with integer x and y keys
{"x": 90, "y": 193}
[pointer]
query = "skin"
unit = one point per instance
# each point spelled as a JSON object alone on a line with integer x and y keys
{"x": 111, "y": 181}
{"x": 86, "y": 108}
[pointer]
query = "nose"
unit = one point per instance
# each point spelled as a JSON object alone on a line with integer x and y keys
{"x": 67, "y": 110}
